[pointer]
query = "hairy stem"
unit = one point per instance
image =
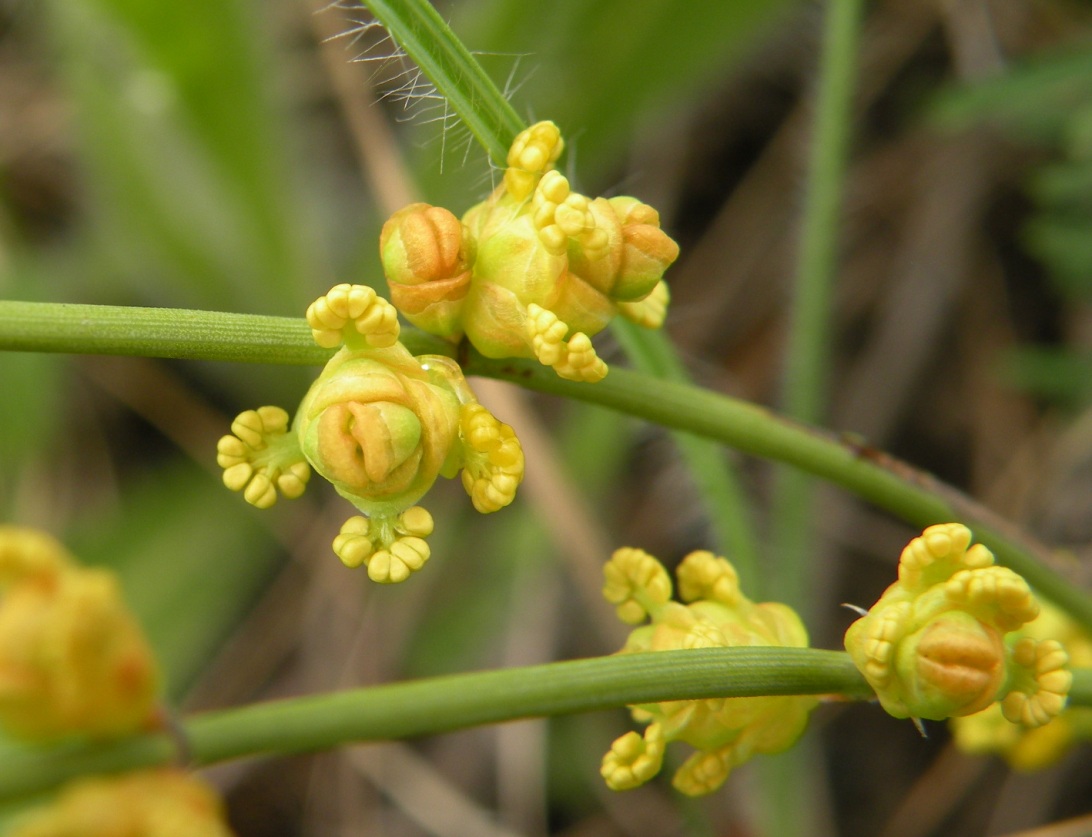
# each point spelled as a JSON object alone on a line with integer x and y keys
{"x": 417, "y": 27}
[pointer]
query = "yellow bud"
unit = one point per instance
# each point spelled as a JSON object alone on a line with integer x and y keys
{"x": 262, "y": 457}
{"x": 354, "y": 315}
{"x": 353, "y": 545}
{"x": 378, "y": 428}
{"x": 635, "y": 583}
{"x": 702, "y": 575}
{"x": 651, "y": 311}
{"x": 493, "y": 459}
{"x": 29, "y": 553}
{"x": 633, "y": 759}
{"x": 647, "y": 251}
{"x": 957, "y": 665}
{"x": 427, "y": 256}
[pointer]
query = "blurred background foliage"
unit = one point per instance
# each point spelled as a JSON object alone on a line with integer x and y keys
{"x": 228, "y": 154}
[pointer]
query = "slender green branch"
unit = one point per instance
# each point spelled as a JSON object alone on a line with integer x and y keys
{"x": 428, "y": 40}
{"x": 170, "y": 333}
{"x": 447, "y": 703}
{"x": 807, "y": 360}
{"x": 914, "y": 496}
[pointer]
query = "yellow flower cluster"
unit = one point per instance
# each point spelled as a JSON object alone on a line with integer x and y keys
{"x": 934, "y": 645}
{"x": 380, "y": 425}
{"x": 151, "y": 803}
{"x": 726, "y": 731}
{"x": 73, "y": 660}
{"x": 534, "y": 270}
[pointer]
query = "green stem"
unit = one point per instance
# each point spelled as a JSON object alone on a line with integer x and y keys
{"x": 429, "y": 42}
{"x": 808, "y": 356}
{"x": 913, "y": 495}
{"x": 204, "y": 335}
{"x": 171, "y": 333}
{"x": 442, "y": 704}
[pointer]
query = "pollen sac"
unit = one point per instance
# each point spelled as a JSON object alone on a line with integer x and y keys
{"x": 995, "y": 730}
{"x": 536, "y": 269}
{"x": 149, "y": 802}
{"x": 726, "y": 732}
{"x": 73, "y": 660}
{"x": 381, "y": 425}
{"x": 934, "y": 646}
{"x": 261, "y": 458}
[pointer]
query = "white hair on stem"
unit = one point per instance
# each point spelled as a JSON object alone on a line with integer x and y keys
{"x": 399, "y": 80}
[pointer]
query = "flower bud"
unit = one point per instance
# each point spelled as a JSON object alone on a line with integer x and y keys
{"x": 381, "y": 425}
{"x": 728, "y": 731}
{"x": 379, "y": 431}
{"x": 636, "y": 254}
{"x": 934, "y": 646}
{"x": 427, "y": 258}
{"x": 260, "y": 457}
{"x": 953, "y": 665}
{"x": 647, "y": 250}
{"x": 73, "y": 660}
{"x": 28, "y": 554}
{"x": 150, "y": 803}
